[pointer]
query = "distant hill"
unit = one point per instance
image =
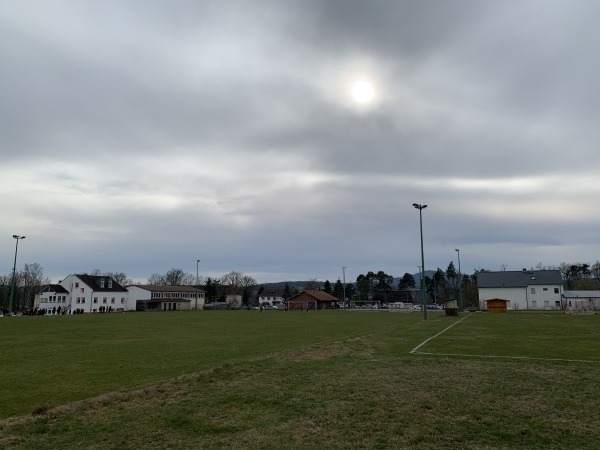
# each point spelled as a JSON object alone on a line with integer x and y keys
{"x": 279, "y": 286}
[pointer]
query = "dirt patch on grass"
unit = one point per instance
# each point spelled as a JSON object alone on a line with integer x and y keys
{"x": 352, "y": 347}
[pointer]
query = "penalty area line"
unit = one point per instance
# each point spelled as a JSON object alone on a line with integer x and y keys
{"x": 525, "y": 358}
{"x": 415, "y": 350}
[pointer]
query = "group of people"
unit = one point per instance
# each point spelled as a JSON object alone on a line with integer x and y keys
{"x": 61, "y": 311}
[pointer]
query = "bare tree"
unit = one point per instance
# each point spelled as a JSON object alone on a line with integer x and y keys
{"x": 247, "y": 285}
{"x": 156, "y": 279}
{"x": 119, "y": 277}
{"x": 174, "y": 277}
{"x": 232, "y": 281}
{"x": 31, "y": 281}
{"x": 311, "y": 284}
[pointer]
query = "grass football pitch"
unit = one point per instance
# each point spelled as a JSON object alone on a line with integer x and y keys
{"x": 332, "y": 379}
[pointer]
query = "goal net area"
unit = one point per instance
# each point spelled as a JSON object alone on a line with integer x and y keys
{"x": 580, "y": 306}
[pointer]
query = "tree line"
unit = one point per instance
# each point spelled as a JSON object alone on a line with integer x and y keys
{"x": 440, "y": 285}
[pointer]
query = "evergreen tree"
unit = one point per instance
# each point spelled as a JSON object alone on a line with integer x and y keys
{"x": 407, "y": 281}
{"x": 338, "y": 290}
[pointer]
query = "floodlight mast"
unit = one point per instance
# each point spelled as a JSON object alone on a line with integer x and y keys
{"x": 423, "y": 302}
{"x": 197, "y": 284}
{"x": 14, "y": 276}
{"x": 461, "y": 307}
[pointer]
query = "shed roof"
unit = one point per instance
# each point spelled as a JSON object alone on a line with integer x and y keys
{"x": 168, "y": 288}
{"x": 518, "y": 278}
{"x": 317, "y": 295}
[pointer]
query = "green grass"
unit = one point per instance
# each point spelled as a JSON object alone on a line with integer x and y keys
{"x": 298, "y": 380}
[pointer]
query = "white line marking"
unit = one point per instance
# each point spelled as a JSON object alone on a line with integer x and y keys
{"x": 529, "y": 358}
{"x": 414, "y": 350}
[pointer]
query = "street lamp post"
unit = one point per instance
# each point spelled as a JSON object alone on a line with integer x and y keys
{"x": 460, "y": 299}
{"x": 421, "y": 208}
{"x": 14, "y": 277}
{"x": 344, "y": 285}
{"x": 197, "y": 283}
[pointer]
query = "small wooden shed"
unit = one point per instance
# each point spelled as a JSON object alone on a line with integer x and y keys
{"x": 451, "y": 307}
{"x": 498, "y": 305}
{"x": 312, "y": 300}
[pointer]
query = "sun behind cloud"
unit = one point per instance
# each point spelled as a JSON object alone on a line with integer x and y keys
{"x": 362, "y": 92}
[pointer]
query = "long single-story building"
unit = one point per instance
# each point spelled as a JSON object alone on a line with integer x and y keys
{"x": 148, "y": 297}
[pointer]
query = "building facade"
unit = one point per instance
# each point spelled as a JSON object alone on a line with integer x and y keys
{"x": 522, "y": 290}
{"x": 84, "y": 294}
{"x": 147, "y": 297}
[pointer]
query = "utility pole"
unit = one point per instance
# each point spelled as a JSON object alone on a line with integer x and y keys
{"x": 344, "y": 285}
{"x": 421, "y": 208}
{"x": 14, "y": 276}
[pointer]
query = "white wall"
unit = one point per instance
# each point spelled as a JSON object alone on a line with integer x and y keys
{"x": 517, "y": 297}
{"x": 82, "y": 296}
{"x": 539, "y": 297}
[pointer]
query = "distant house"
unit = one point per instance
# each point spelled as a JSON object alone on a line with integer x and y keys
{"x": 148, "y": 297}
{"x": 86, "y": 294}
{"x": 271, "y": 300}
{"x": 522, "y": 290}
{"x": 52, "y": 297}
{"x": 312, "y": 300}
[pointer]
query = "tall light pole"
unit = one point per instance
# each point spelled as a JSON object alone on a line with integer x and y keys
{"x": 421, "y": 208}
{"x": 197, "y": 282}
{"x": 460, "y": 300}
{"x": 14, "y": 277}
{"x": 344, "y": 285}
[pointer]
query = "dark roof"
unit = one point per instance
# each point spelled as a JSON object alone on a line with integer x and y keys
{"x": 318, "y": 295}
{"x": 57, "y": 288}
{"x": 94, "y": 282}
{"x": 168, "y": 288}
{"x": 517, "y": 278}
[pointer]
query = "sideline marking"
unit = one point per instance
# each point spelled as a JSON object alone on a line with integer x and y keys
{"x": 527, "y": 358}
{"x": 414, "y": 350}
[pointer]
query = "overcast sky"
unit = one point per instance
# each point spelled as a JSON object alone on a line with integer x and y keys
{"x": 139, "y": 136}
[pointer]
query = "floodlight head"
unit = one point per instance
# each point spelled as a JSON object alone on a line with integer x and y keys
{"x": 414, "y": 204}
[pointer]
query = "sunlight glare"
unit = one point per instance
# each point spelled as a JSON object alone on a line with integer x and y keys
{"x": 362, "y": 92}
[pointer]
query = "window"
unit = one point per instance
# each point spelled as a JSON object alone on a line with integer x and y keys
{"x": 122, "y": 300}
{"x": 112, "y": 300}
{"x": 546, "y": 304}
{"x": 533, "y": 290}
{"x": 102, "y": 283}
{"x": 557, "y": 304}
{"x": 534, "y": 304}
{"x": 76, "y": 284}
{"x": 78, "y": 300}
{"x": 556, "y": 290}
{"x": 95, "y": 299}
{"x": 110, "y": 284}
{"x": 545, "y": 289}
{"x": 82, "y": 299}
{"x": 104, "y": 300}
